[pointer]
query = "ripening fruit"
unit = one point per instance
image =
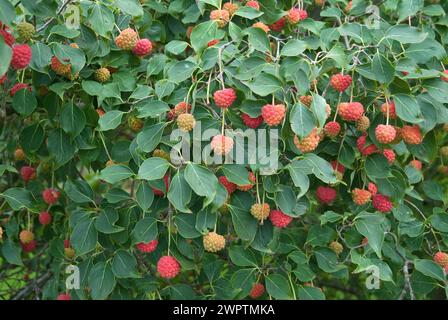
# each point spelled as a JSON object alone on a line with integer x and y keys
{"x": 309, "y": 143}
{"x": 161, "y": 154}
{"x": 213, "y": 242}
{"x": 69, "y": 253}
{"x": 444, "y": 151}
{"x": 340, "y": 82}
{"x": 372, "y": 188}
{"x": 102, "y": 75}
{"x": 222, "y": 17}
{"x": 7, "y": 37}
{"x": 64, "y": 297}
{"x": 261, "y": 26}
{"x": 385, "y": 133}
{"x": 61, "y": 69}
{"x": 444, "y": 77}
{"x": 260, "y": 211}
{"x": 296, "y": 15}
{"x": 361, "y": 196}
{"x": 253, "y": 4}
{"x": 45, "y": 218}
{"x": 231, "y": 7}
{"x": 273, "y": 115}
{"x": 181, "y": 107}
{"x": 382, "y": 203}
{"x": 336, "y": 247}
{"x": 325, "y": 195}
{"x": 417, "y": 164}
{"x": 147, "y": 247}
{"x": 74, "y": 45}
{"x": 390, "y": 155}
{"x": 230, "y": 186}
{"x": 257, "y": 291}
{"x": 135, "y": 124}
{"x": 28, "y": 247}
{"x": 412, "y": 134}
{"x": 221, "y": 144}
{"x": 365, "y": 150}
{"x": 168, "y": 267}
{"x": 127, "y": 39}
{"x": 279, "y": 219}
{"x": 21, "y": 56}
{"x": 332, "y": 129}
{"x": 211, "y": 43}
{"x": 25, "y": 30}
{"x": 362, "y": 124}
{"x": 392, "y": 113}
{"x": 186, "y": 122}
{"x": 251, "y": 122}
{"x": 348, "y": 7}
{"x": 338, "y": 166}
{"x": 26, "y": 236}
{"x": 441, "y": 258}
{"x": 351, "y": 111}
{"x": 278, "y": 25}
{"x": 28, "y": 173}
{"x": 247, "y": 187}
{"x": 51, "y": 196}
{"x": 306, "y": 100}
{"x": 142, "y": 48}
{"x": 19, "y": 154}
{"x": 224, "y": 98}
{"x": 17, "y": 87}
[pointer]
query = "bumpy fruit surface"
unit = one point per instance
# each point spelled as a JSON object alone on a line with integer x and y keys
{"x": 127, "y": 39}
{"x": 444, "y": 77}
{"x": 336, "y": 247}
{"x": 253, "y": 4}
{"x": 17, "y": 87}
{"x": 372, "y": 188}
{"x": 260, "y": 211}
{"x": 306, "y": 100}
{"x": 392, "y": 113}
{"x": 351, "y": 111}
{"x": 142, "y": 48}
{"x": 168, "y": 267}
{"x": 224, "y": 98}
{"x": 26, "y": 236}
{"x": 69, "y": 253}
{"x": 332, "y": 129}
{"x": 181, "y": 107}
{"x": 7, "y": 37}
{"x": 19, "y": 154}
{"x": 417, "y": 164}
{"x": 221, "y": 144}
{"x": 309, "y": 143}
{"x": 382, "y": 203}
{"x": 213, "y": 242}
{"x": 279, "y": 219}
{"x": 441, "y": 258}
{"x": 21, "y": 56}
{"x": 340, "y": 82}
{"x": 64, "y": 297}
{"x": 273, "y": 115}
{"x": 278, "y": 25}
{"x": 28, "y": 173}
{"x": 295, "y": 15}
{"x": 361, "y": 145}
{"x": 337, "y": 166}
{"x": 161, "y": 154}
{"x": 390, "y": 155}
{"x": 51, "y": 196}
{"x": 444, "y": 151}
{"x": 252, "y": 122}
{"x": 25, "y": 30}
{"x": 222, "y": 17}
{"x": 61, "y": 69}
{"x": 325, "y": 195}
{"x": 412, "y": 134}
{"x": 261, "y": 26}
{"x": 102, "y": 75}
{"x": 247, "y": 187}
{"x": 29, "y": 247}
{"x": 362, "y": 124}
{"x": 385, "y": 133}
{"x": 361, "y": 196}
{"x": 257, "y": 291}
{"x": 135, "y": 124}
{"x": 147, "y": 247}
{"x": 186, "y": 122}
{"x": 45, "y": 218}
{"x": 231, "y": 7}
{"x": 230, "y": 186}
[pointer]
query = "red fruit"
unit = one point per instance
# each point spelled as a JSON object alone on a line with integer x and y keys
{"x": 417, "y": 164}
{"x": 445, "y": 76}
{"x": 412, "y": 134}
{"x": 382, "y": 203}
{"x": 64, "y": 296}
{"x": 142, "y": 48}
{"x": 181, "y": 107}
{"x": 390, "y": 155}
{"x": 21, "y": 56}
{"x": 247, "y": 187}
{"x": 372, "y": 188}
{"x": 309, "y": 143}
{"x": 160, "y": 193}
{"x": 273, "y": 114}
{"x": 351, "y": 111}
{"x": 28, "y": 247}
{"x": 45, "y": 218}
{"x": 3, "y": 79}
{"x": 221, "y": 144}
{"x": 147, "y": 247}
{"x": 222, "y": 17}
{"x": 278, "y": 25}
{"x": 224, "y": 98}
{"x": 385, "y": 133}
{"x": 230, "y": 186}
{"x": 295, "y": 15}
{"x": 441, "y": 258}
{"x": 392, "y": 113}
{"x": 256, "y": 291}
{"x": 28, "y": 173}
{"x": 66, "y": 243}
{"x": 17, "y": 87}
{"x": 8, "y": 38}
{"x": 279, "y": 219}
{"x": 168, "y": 267}
{"x": 365, "y": 151}
{"x": 127, "y": 39}
{"x": 252, "y": 122}
{"x": 212, "y": 42}
{"x": 360, "y": 196}
{"x": 51, "y": 196}
{"x": 253, "y": 4}
{"x": 332, "y": 129}
{"x": 326, "y": 195}
{"x": 337, "y": 166}
{"x": 340, "y": 82}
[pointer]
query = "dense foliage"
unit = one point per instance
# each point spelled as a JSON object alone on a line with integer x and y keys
{"x": 93, "y": 94}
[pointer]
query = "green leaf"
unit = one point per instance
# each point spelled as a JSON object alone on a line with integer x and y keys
{"x": 7, "y": 13}
{"x": 429, "y": 268}
{"x": 18, "y": 198}
{"x": 131, "y": 7}
{"x": 201, "y": 180}
{"x": 84, "y": 236}
{"x": 32, "y": 137}
{"x": 434, "y": 190}
{"x": 5, "y": 53}
{"x": 60, "y": 146}
{"x": 265, "y": 84}
{"x": 105, "y": 223}
{"x": 277, "y": 286}
{"x": 149, "y": 137}
{"x": 405, "y": 34}
{"x": 369, "y": 225}
{"x": 124, "y": 265}
{"x": 73, "y": 119}
{"x": 24, "y": 102}
{"x": 310, "y": 293}
{"x": 409, "y": 8}
{"x": 41, "y": 57}
{"x": 258, "y": 39}
{"x": 186, "y": 225}
{"x": 248, "y": 12}
{"x": 202, "y": 34}
{"x": 115, "y": 173}
{"x": 242, "y": 257}
{"x": 179, "y": 193}
{"x": 79, "y": 191}
{"x": 11, "y": 252}
{"x": 176, "y": 47}
{"x": 101, "y": 280}
{"x": 181, "y": 71}
{"x": 153, "y": 169}
{"x": 407, "y": 108}
{"x": 302, "y": 120}
{"x": 67, "y": 54}
{"x": 145, "y": 230}
{"x": 101, "y": 19}
{"x": 377, "y": 166}
{"x": 236, "y": 173}
{"x": 327, "y": 260}
{"x": 383, "y": 69}
{"x": 293, "y": 48}
{"x": 145, "y": 195}
{"x": 110, "y": 120}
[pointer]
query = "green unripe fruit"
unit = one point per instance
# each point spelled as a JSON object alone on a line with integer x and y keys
{"x": 25, "y": 30}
